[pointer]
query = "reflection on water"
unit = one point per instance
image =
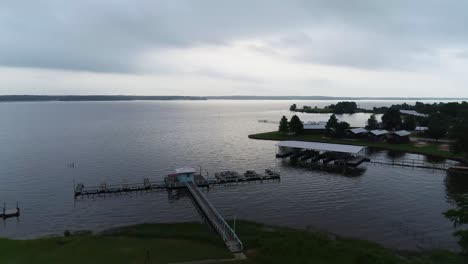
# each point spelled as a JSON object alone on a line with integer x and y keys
{"x": 455, "y": 185}
{"x": 117, "y": 141}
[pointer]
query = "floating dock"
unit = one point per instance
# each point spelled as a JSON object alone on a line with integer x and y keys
{"x": 172, "y": 182}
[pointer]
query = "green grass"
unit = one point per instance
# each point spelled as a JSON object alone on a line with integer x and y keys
{"x": 193, "y": 241}
{"x": 432, "y": 149}
{"x": 164, "y": 242}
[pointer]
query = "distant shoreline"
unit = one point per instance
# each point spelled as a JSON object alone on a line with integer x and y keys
{"x": 71, "y": 98}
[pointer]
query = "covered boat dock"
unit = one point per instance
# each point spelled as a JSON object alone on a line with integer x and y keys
{"x": 341, "y": 154}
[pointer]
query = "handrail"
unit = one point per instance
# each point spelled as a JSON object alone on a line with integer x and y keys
{"x": 199, "y": 196}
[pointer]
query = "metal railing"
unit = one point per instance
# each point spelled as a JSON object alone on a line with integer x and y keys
{"x": 415, "y": 163}
{"x": 203, "y": 202}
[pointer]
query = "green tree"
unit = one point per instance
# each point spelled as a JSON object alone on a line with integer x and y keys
{"x": 372, "y": 123}
{"x": 459, "y": 217}
{"x": 332, "y": 122}
{"x": 409, "y": 123}
{"x": 293, "y": 107}
{"x": 459, "y": 132}
{"x": 437, "y": 126}
{"x": 391, "y": 119}
{"x": 340, "y": 129}
{"x": 284, "y": 126}
{"x": 295, "y": 125}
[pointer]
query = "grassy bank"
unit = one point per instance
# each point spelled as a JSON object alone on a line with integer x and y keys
{"x": 432, "y": 149}
{"x": 165, "y": 243}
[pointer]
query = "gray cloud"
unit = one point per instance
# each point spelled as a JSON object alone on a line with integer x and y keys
{"x": 109, "y": 36}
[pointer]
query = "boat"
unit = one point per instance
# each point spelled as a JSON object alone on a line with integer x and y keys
{"x": 228, "y": 176}
{"x": 271, "y": 173}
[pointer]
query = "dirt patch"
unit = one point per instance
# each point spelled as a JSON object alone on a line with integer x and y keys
{"x": 420, "y": 144}
{"x": 444, "y": 147}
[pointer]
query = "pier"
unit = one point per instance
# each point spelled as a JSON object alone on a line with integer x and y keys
{"x": 172, "y": 182}
{"x": 186, "y": 178}
{"x": 228, "y": 235}
{"x": 413, "y": 163}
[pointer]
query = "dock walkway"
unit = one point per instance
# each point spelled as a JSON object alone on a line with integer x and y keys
{"x": 228, "y": 235}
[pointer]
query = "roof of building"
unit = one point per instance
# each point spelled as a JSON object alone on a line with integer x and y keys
{"x": 314, "y": 126}
{"x": 358, "y": 130}
{"x": 412, "y": 112}
{"x": 185, "y": 170}
{"x": 321, "y": 146}
{"x": 419, "y": 128}
{"x": 402, "y": 133}
{"x": 379, "y": 132}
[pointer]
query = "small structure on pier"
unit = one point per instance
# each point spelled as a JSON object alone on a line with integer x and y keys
{"x": 183, "y": 175}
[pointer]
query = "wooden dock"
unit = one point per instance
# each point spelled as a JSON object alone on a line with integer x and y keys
{"x": 228, "y": 235}
{"x": 413, "y": 163}
{"x": 168, "y": 184}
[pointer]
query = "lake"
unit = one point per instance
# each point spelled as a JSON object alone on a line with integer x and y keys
{"x": 129, "y": 141}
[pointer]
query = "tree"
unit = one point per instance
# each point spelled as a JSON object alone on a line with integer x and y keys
{"x": 332, "y": 122}
{"x": 284, "y": 126}
{"x": 345, "y": 108}
{"x": 372, "y": 123}
{"x": 340, "y": 129}
{"x": 409, "y": 123}
{"x": 293, "y": 107}
{"x": 459, "y": 217}
{"x": 459, "y": 132}
{"x": 391, "y": 119}
{"x": 437, "y": 126}
{"x": 295, "y": 125}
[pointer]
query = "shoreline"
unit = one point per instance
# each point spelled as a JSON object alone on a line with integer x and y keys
{"x": 431, "y": 149}
{"x": 163, "y": 243}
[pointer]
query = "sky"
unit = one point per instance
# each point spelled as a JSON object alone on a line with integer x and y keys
{"x": 378, "y": 48}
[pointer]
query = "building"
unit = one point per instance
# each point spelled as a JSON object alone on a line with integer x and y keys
{"x": 412, "y": 113}
{"x": 356, "y": 132}
{"x": 398, "y": 137}
{"x": 377, "y": 134}
{"x": 315, "y": 127}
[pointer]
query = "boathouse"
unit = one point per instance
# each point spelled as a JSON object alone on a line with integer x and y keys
{"x": 291, "y": 145}
{"x": 398, "y": 137}
{"x": 412, "y": 113}
{"x": 377, "y": 134}
{"x": 356, "y": 132}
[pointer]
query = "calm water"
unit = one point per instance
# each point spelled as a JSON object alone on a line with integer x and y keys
{"x": 116, "y": 141}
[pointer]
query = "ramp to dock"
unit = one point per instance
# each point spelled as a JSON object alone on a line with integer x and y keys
{"x": 228, "y": 235}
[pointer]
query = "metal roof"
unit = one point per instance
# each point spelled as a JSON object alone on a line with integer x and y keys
{"x": 358, "y": 130}
{"x": 314, "y": 126}
{"x": 321, "y": 146}
{"x": 412, "y": 112}
{"x": 419, "y": 128}
{"x": 402, "y": 133}
{"x": 379, "y": 132}
{"x": 185, "y": 170}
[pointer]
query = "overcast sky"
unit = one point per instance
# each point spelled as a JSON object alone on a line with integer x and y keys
{"x": 200, "y": 47}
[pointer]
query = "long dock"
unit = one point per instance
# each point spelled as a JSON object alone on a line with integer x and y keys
{"x": 414, "y": 163}
{"x": 228, "y": 235}
{"x": 147, "y": 185}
